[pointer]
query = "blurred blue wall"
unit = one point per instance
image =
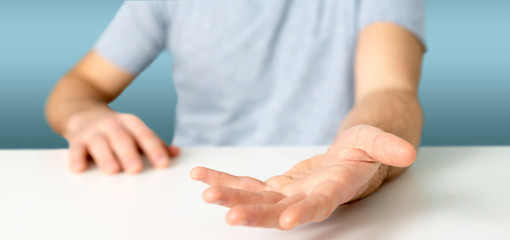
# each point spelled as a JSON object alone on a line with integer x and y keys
{"x": 465, "y": 88}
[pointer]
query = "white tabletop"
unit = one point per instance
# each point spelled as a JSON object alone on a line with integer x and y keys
{"x": 449, "y": 193}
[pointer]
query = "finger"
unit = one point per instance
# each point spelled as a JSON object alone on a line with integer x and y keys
{"x": 78, "y": 157}
{"x": 230, "y": 197}
{"x": 125, "y": 148}
{"x": 315, "y": 208}
{"x": 278, "y": 182}
{"x": 217, "y": 178}
{"x": 381, "y": 146}
{"x": 319, "y": 204}
{"x": 153, "y": 147}
{"x": 261, "y": 215}
{"x": 174, "y": 151}
{"x": 102, "y": 154}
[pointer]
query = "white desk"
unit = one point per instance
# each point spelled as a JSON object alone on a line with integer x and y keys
{"x": 450, "y": 193}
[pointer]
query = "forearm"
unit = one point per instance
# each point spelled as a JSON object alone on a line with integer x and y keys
{"x": 394, "y": 111}
{"x": 70, "y": 96}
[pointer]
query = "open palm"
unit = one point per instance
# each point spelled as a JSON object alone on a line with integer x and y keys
{"x": 313, "y": 188}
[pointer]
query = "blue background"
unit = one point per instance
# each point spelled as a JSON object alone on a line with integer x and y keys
{"x": 465, "y": 88}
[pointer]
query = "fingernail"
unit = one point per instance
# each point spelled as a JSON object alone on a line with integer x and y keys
{"x": 243, "y": 223}
{"x": 294, "y": 225}
{"x": 219, "y": 202}
{"x": 174, "y": 151}
{"x": 194, "y": 175}
{"x": 77, "y": 166}
{"x": 111, "y": 166}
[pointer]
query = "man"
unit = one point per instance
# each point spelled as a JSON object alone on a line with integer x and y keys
{"x": 259, "y": 72}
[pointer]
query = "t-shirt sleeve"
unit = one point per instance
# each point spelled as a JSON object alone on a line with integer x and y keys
{"x": 409, "y": 14}
{"x": 135, "y": 37}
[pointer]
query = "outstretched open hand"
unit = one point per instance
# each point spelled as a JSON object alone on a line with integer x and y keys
{"x": 313, "y": 188}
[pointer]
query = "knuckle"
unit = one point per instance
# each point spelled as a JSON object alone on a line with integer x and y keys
{"x": 79, "y": 136}
{"x": 134, "y": 121}
{"x": 95, "y": 138}
{"x": 118, "y": 135}
{"x": 109, "y": 124}
{"x": 129, "y": 117}
{"x": 75, "y": 141}
{"x": 87, "y": 134}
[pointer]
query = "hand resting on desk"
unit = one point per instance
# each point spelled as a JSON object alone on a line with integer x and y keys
{"x": 115, "y": 142}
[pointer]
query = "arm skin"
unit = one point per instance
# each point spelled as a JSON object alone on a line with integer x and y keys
{"x": 387, "y": 72}
{"x": 91, "y": 84}
{"x": 376, "y": 141}
{"x": 78, "y": 110}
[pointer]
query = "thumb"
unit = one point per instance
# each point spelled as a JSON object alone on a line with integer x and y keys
{"x": 383, "y": 147}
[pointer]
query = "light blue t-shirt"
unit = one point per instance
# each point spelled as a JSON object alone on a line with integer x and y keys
{"x": 254, "y": 72}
